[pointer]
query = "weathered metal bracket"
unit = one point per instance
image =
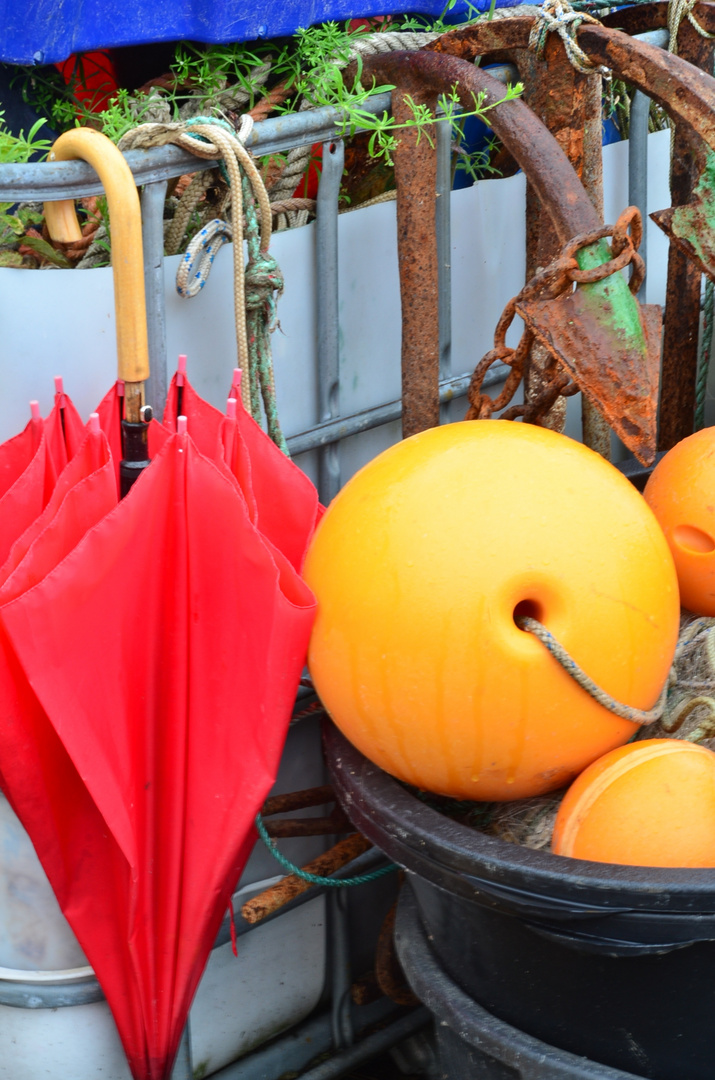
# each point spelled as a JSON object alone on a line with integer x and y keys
{"x": 691, "y": 227}
{"x": 614, "y": 314}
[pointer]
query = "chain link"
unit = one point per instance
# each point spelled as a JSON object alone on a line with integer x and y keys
{"x": 557, "y": 278}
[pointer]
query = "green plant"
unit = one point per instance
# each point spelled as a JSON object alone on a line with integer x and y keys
{"x": 18, "y": 149}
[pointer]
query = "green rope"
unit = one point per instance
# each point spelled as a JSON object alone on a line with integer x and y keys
{"x": 704, "y": 353}
{"x": 317, "y": 879}
{"x": 263, "y": 286}
{"x": 626, "y": 712}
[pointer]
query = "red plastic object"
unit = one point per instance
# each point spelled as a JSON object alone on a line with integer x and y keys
{"x": 92, "y": 77}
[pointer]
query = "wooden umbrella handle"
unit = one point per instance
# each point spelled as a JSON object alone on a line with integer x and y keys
{"x": 127, "y": 254}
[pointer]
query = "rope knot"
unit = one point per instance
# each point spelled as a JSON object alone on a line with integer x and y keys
{"x": 264, "y": 285}
{"x": 558, "y": 16}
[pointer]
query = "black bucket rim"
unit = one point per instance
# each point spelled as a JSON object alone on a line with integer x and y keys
{"x": 463, "y": 860}
{"x": 450, "y": 1005}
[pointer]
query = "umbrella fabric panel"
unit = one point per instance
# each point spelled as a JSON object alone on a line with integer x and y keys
{"x": 282, "y": 501}
{"x": 77, "y": 850}
{"x": 17, "y": 453}
{"x": 82, "y": 495}
{"x": 29, "y": 466}
{"x": 65, "y": 431}
{"x": 166, "y": 651}
{"x": 25, "y": 500}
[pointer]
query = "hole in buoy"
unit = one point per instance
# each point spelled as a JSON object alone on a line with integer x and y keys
{"x": 692, "y": 539}
{"x": 530, "y": 609}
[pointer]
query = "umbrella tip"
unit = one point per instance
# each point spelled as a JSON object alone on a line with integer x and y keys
{"x": 94, "y": 423}
{"x": 59, "y": 385}
{"x": 181, "y": 425}
{"x": 181, "y": 370}
{"x": 35, "y": 410}
{"x": 237, "y": 379}
{"x": 231, "y": 408}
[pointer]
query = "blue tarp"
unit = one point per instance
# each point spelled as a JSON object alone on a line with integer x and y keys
{"x": 45, "y": 31}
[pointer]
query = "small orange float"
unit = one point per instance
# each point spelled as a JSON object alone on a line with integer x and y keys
{"x": 681, "y": 494}
{"x": 651, "y": 803}
{"x": 421, "y": 564}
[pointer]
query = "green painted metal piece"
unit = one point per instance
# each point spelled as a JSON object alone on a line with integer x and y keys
{"x": 610, "y": 345}
{"x": 691, "y": 227}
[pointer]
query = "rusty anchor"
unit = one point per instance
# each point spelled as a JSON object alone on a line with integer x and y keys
{"x": 611, "y": 324}
{"x": 679, "y": 85}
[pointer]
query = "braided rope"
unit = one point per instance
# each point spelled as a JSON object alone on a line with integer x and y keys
{"x": 317, "y": 879}
{"x": 192, "y": 196}
{"x": 193, "y": 272}
{"x": 557, "y": 16}
{"x": 626, "y": 712}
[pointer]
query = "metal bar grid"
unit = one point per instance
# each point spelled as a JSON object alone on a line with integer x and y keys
{"x": 152, "y": 169}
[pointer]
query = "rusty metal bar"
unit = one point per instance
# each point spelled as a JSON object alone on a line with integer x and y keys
{"x": 416, "y": 179}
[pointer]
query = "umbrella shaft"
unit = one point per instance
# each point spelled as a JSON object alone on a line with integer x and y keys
{"x": 136, "y": 454}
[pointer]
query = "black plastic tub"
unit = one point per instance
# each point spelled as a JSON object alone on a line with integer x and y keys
{"x": 471, "y": 1044}
{"x": 614, "y": 963}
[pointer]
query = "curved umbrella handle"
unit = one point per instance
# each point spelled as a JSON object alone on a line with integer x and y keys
{"x": 127, "y": 254}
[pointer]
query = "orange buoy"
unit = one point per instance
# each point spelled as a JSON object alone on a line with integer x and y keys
{"x": 650, "y": 803}
{"x": 420, "y": 565}
{"x": 681, "y": 494}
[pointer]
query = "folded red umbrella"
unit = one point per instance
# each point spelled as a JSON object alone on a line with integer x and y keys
{"x": 153, "y": 672}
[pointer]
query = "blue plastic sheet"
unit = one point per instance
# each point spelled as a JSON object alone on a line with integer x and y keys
{"x": 46, "y": 31}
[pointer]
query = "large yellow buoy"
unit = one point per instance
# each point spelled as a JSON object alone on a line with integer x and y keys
{"x": 419, "y": 567}
{"x": 681, "y": 494}
{"x": 648, "y": 804}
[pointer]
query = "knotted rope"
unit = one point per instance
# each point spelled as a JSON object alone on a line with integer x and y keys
{"x": 256, "y": 284}
{"x": 557, "y": 16}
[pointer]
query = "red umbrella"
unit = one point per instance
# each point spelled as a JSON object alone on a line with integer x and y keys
{"x": 150, "y": 651}
{"x": 169, "y": 703}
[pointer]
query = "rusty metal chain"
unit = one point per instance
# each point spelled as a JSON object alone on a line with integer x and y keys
{"x": 558, "y": 277}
